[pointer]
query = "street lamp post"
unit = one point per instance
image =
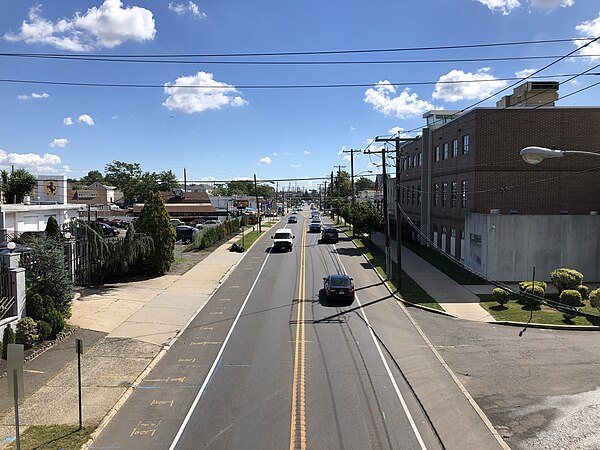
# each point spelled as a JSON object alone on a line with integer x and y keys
{"x": 257, "y": 204}
{"x": 535, "y": 155}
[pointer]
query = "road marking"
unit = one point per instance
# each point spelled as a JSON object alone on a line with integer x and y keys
{"x": 298, "y": 421}
{"x": 145, "y": 429}
{"x": 216, "y": 361}
{"x": 206, "y": 343}
{"x": 162, "y": 402}
{"x": 387, "y": 367}
{"x": 206, "y": 328}
{"x": 188, "y": 360}
{"x": 216, "y": 313}
{"x": 32, "y": 371}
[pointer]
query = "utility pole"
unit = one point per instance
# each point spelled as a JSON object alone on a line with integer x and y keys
{"x": 325, "y": 197}
{"x": 339, "y": 187}
{"x": 397, "y": 140}
{"x": 352, "y": 151}
{"x": 331, "y": 189}
{"x": 257, "y": 204}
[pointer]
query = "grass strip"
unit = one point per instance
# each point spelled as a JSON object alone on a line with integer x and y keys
{"x": 249, "y": 238}
{"x": 411, "y": 291}
{"x": 518, "y": 311}
{"x": 444, "y": 264}
{"x": 52, "y": 437}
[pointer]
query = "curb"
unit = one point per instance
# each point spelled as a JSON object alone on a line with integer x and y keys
{"x": 125, "y": 396}
{"x": 548, "y": 326}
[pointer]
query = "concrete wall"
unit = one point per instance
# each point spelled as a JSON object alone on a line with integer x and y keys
{"x": 512, "y": 244}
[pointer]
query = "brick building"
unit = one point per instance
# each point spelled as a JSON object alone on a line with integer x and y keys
{"x": 470, "y": 164}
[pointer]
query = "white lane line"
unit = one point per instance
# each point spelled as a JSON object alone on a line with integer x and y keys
{"x": 385, "y": 364}
{"x": 215, "y": 363}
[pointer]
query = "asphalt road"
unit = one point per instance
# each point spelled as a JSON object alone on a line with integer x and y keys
{"x": 268, "y": 364}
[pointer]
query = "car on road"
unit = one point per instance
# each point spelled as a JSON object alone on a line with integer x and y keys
{"x": 330, "y": 234}
{"x": 108, "y": 230}
{"x": 339, "y": 288}
{"x": 315, "y": 226}
{"x": 185, "y": 233}
{"x": 292, "y": 219}
{"x": 283, "y": 239}
{"x": 211, "y": 223}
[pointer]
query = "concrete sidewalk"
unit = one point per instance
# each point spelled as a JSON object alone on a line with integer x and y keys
{"x": 133, "y": 322}
{"x": 456, "y": 299}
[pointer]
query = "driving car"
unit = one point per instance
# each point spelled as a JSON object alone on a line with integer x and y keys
{"x": 330, "y": 234}
{"x": 283, "y": 239}
{"x": 185, "y": 233}
{"x": 292, "y": 219}
{"x": 339, "y": 288}
{"x": 315, "y": 226}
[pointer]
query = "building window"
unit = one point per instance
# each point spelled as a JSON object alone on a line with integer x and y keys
{"x": 444, "y": 194}
{"x": 465, "y": 144}
{"x": 403, "y": 194}
{"x": 453, "y": 187}
{"x": 412, "y": 195}
{"x": 454, "y": 148}
{"x": 413, "y": 161}
{"x": 420, "y": 159}
{"x": 436, "y": 190}
{"x": 445, "y": 150}
{"x": 419, "y": 195}
{"x": 437, "y": 152}
{"x": 463, "y": 193}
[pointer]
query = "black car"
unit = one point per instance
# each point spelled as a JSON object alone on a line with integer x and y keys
{"x": 330, "y": 234}
{"x": 292, "y": 219}
{"x": 185, "y": 233}
{"x": 315, "y": 227}
{"x": 108, "y": 230}
{"x": 339, "y": 288}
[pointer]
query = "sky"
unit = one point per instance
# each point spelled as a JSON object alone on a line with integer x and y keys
{"x": 84, "y": 83}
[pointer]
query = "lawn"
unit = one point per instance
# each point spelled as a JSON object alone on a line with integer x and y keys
{"x": 249, "y": 238}
{"x": 52, "y": 437}
{"x": 411, "y": 291}
{"x": 444, "y": 264}
{"x": 514, "y": 311}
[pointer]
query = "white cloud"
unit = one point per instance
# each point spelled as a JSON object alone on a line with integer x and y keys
{"x": 586, "y": 29}
{"x": 288, "y": 154}
{"x": 59, "y": 142}
{"x": 352, "y": 128}
{"x": 341, "y": 151}
{"x": 87, "y": 119}
{"x": 265, "y": 161}
{"x": 114, "y": 117}
{"x": 477, "y": 85}
{"x": 306, "y": 153}
{"x": 213, "y": 94}
{"x": 106, "y": 26}
{"x": 32, "y": 162}
{"x": 551, "y": 4}
{"x": 275, "y": 154}
{"x": 181, "y": 8}
{"x": 67, "y": 121}
{"x": 525, "y": 72}
{"x": 402, "y": 106}
{"x": 504, "y": 6}
{"x": 33, "y": 95}
{"x": 295, "y": 165}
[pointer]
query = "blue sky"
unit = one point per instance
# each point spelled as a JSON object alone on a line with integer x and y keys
{"x": 231, "y": 130}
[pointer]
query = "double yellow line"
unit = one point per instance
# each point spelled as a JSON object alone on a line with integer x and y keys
{"x": 298, "y": 425}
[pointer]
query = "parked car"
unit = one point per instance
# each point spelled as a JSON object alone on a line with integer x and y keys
{"x": 211, "y": 223}
{"x": 292, "y": 219}
{"x": 108, "y": 230}
{"x": 330, "y": 234}
{"x": 185, "y": 233}
{"x": 339, "y": 288}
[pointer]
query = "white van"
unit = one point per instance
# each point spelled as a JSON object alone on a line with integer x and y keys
{"x": 283, "y": 239}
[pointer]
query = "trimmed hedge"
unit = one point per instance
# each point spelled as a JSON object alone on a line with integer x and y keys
{"x": 566, "y": 279}
{"x": 583, "y": 290}
{"x": 27, "y": 332}
{"x": 501, "y": 296}
{"x": 523, "y": 285}
{"x": 595, "y": 298}
{"x": 570, "y": 297}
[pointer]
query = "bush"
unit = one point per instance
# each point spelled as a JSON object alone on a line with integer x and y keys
{"x": 7, "y": 338}
{"x": 27, "y": 332}
{"x": 501, "y": 296}
{"x": 56, "y": 322}
{"x": 44, "y": 330}
{"x": 52, "y": 228}
{"x": 523, "y": 285}
{"x": 538, "y": 291}
{"x": 583, "y": 290}
{"x": 570, "y": 297}
{"x": 595, "y": 298}
{"x": 35, "y": 306}
{"x": 566, "y": 279}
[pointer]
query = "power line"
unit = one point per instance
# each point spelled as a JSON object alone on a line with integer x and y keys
{"x": 318, "y": 52}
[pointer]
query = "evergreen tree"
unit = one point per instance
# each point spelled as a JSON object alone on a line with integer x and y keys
{"x": 52, "y": 228}
{"x": 7, "y": 338}
{"x": 154, "y": 221}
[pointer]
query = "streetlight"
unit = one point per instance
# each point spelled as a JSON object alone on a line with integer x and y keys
{"x": 535, "y": 155}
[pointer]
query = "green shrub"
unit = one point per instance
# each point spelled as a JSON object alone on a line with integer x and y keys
{"x": 52, "y": 228}
{"x": 44, "y": 330}
{"x": 501, "y": 296}
{"x": 583, "y": 290}
{"x": 566, "y": 279}
{"x": 35, "y": 306}
{"x": 570, "y": 297}
{"x": 7, "y": 338}
{"x": 27, "y": 332}
{"x": 595, "y": 298}
{"x": 56, "y": 322}
{"x": 538, "y": 291}
{"x": 525, "y": 284}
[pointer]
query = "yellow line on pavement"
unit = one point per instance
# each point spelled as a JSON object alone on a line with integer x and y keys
{"x": 298, "y": 424}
